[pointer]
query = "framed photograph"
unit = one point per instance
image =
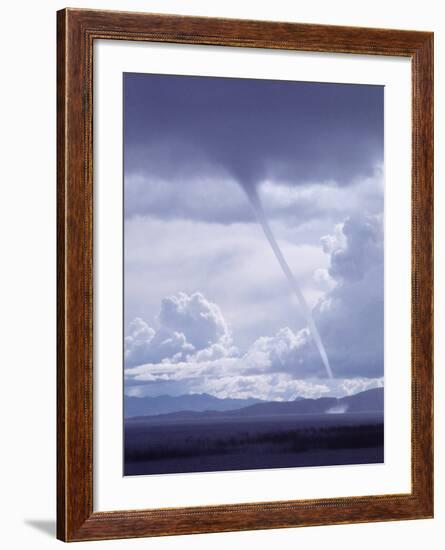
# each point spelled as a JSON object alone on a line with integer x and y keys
{"x": 245, "y": 275}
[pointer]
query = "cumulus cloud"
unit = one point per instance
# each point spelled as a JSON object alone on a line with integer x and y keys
{"x": 236, "y": 378}
{"x": 200, "y": 320}
{"x": 272, "y": 369}
{"x": 283, "y": 352}
{"x": 350, "y": 317}
{"x": 356, "y": 247}
{"x": 283, "y": 387}
{"x": 189, "y": 326}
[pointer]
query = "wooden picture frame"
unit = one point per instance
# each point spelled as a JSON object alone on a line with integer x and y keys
{"x": 76, "y": 32}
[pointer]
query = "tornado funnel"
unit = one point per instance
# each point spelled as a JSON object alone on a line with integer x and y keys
{"x": 256, "y": 203}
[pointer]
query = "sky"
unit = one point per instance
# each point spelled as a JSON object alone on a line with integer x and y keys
{"x": 207, "y": 308}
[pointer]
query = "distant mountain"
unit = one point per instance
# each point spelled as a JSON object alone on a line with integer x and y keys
{"x": 370, "y": 400}
{"x": 198, "y": 402}
{"x": 367, "y": 401}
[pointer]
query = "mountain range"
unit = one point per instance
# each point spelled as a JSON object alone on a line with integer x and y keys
{"x": 200, "y": 405}
{"x": 197, "y": 402}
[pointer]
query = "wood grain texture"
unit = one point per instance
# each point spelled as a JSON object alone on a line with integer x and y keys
{"x": 76, "y": 32}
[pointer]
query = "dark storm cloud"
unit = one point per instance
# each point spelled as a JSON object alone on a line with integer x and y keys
{"x": 181, "y": 126}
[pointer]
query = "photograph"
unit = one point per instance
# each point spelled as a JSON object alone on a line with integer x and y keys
{"x": 253, "y": 269}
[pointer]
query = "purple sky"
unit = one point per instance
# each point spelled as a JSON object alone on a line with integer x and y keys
{"x": 206, "y": 305}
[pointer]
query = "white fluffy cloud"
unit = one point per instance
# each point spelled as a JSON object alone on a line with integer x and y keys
{"x": 236, "y": 378}
{"x": 282, "y": 352}
{"x": 283, "y": 387}
{"x": 189, "y": 328}
{"x": 201, "y": 321}
{"x": 272, "y": 369}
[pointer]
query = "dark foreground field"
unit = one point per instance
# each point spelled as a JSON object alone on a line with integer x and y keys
{"x": 160, "y": 445}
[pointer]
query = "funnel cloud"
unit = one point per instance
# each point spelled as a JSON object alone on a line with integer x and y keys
{"x": 262, "y": 220}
